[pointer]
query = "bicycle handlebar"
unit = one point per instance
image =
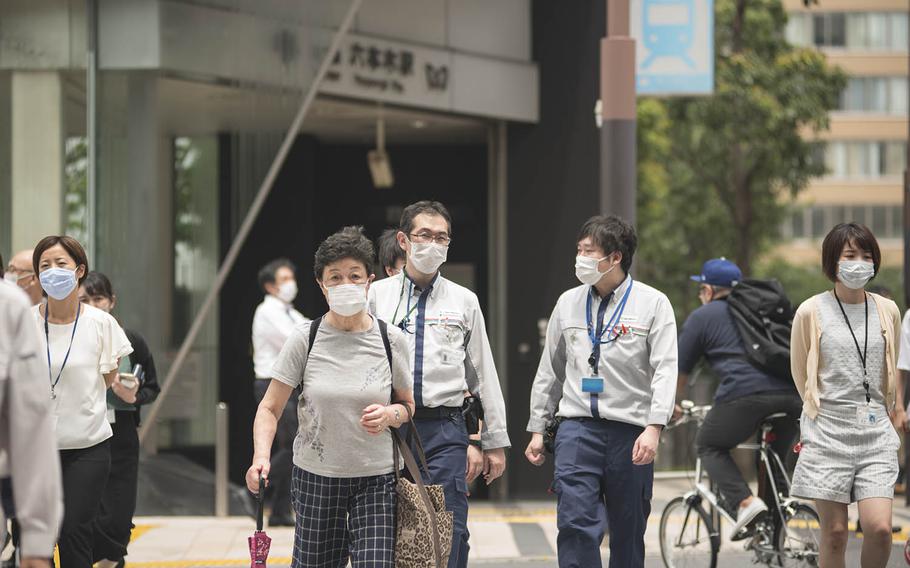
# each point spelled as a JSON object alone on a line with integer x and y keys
{"x": 691, "y": 413}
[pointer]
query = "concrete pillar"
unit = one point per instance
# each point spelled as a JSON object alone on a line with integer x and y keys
{"x": 37, "y": 134}
{"x": 6, "y": 194}
{"x": 135, "y": 212}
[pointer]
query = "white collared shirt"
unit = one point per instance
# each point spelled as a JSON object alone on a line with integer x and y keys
{"x": 448, "y": 340}
{"x": 273, "y": 322}
{"x": 639, "y": 368}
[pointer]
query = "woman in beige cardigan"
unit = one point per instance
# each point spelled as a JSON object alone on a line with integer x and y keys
{"x": 843, "y": 352}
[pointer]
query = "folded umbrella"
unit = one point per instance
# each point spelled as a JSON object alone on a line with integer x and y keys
{"x": 259, "y": 542}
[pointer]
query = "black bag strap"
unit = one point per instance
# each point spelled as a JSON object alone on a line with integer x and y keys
{"x": 384, "y": 332}
{"x": 314, "y": 329}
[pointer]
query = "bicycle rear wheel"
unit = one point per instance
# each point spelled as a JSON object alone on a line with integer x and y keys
{"x": 686, "y": 538}
{"x": 798, "y": 539}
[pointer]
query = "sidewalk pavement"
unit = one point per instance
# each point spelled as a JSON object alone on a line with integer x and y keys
{"x": 500, "y": 532}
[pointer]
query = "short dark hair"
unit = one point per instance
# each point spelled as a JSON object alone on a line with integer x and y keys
{"x": 839, "y": 237}
{"x": 349, "y": 242}
{"x": 611, "y": 233}
{"x": 389, "y": 250}
{"x": 97, "y": 284}
{"x": 69, "y": 244}
{"x": 423, "y": 207}
{"x": 268, "y": 272}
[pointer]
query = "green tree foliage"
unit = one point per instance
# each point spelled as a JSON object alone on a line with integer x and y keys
{"x": 716, "y": 173}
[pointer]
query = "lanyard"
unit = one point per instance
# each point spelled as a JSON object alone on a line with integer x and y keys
{"x": 47, "y": 336}
{"x": 862, "y": 353}
{"x": 596, "y": 336}
{"x": 406, "y": 319}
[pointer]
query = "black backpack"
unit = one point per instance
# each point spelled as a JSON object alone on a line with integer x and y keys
{"x": 764, "y": 316}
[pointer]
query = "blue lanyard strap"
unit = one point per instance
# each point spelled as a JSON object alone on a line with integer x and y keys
{"x": 47, "y": 336}
{"x": 596, "y": 335}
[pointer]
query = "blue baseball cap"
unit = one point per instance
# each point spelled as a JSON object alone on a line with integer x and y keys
{"x": 719, "y": 272}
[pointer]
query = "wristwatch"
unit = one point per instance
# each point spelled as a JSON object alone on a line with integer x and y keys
{"x": 475, "y": 443}
{"x": 397, "y": 415}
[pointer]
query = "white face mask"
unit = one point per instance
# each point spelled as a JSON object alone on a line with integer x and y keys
{"x": 427, "y": 257}
{"x": 855, "y": 274}
{"x": 11, "y": 278}
{"x": 347, "y": 300}
{"x": 287, "y": 291}
{"x": 586, "y": 270}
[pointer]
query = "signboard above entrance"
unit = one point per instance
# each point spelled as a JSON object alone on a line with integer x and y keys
{"x": 674, "y": 46}
{"x": 391, "y": 72}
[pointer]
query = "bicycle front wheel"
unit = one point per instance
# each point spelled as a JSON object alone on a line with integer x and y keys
{"x": 686, "y": 536}
{"x": 798, "y": 539}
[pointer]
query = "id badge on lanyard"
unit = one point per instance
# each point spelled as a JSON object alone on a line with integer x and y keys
{"x": 594, "y": 384}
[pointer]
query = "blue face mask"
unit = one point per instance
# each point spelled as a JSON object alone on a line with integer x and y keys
{"x": 58, "y": 282}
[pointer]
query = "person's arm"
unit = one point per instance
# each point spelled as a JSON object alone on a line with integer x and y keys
{"x": 899, "y": 414}
{"x": 115, "y": 346}
{"x": 31, "y": 443}
{"x": 663, "y": 358}
{"x": 483, "y": 380}
{"x": 287, "y": 374}
{"x": 800, "y": 340}
{"x": 691, "y": 349}
{"x": 377, "y": 417}
{"x": 479, "y": 366}
{"x": 264, "y": 428}
{"x": 547, "y": 388}
{"x": 150, "y": 388}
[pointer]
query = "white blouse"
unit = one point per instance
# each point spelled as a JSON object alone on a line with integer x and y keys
{"x": 80, "y": 403}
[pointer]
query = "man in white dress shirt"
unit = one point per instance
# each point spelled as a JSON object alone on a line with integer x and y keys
{"x": 451, "y": 354}
{"x": 273, "y": 322}
{"x": 28, "y": 444}
{"x": 607, "y": 375}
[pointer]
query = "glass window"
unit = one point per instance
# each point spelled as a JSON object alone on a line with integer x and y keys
{"x": 818, "y": 29}
{"x": 819, "y": 223}
{"x": 876, "y": 94}
{"x": 894, "y": 158}
{"x": 838, "y": 214}
{"x": 898, "y": 31}
{"x": 799, "y": 30}
{"x": 897, "y": 95}
{"x": 836, "y": 159}
{"x": 879, "y": 219}
{"x": 837, "y": 30}
{"x": 75, "y": 169}
{"x": 877, "y": 31}
{"x": 857, "y": 32}
{"x": 799, "y": 225}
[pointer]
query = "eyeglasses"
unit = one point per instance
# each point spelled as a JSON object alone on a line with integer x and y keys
{"x": 439, "y": 239}
{"x": 20, "y": 274}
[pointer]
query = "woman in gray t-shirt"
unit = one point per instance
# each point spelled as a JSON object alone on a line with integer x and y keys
{"x": 355, "y": 385}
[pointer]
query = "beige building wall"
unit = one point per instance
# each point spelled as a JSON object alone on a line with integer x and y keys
{"x": 873, "y": 199}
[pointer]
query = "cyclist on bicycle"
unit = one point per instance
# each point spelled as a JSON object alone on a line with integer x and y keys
{"x": 744, "y": 396}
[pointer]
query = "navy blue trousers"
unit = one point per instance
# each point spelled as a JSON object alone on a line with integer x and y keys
{"x": 596, "y": 481}
{"x": 445, "y": 441}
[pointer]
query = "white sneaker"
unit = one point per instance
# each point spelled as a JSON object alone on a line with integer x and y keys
{"x": 747, "y": 514}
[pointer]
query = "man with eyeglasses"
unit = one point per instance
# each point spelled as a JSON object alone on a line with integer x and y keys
{"x": 20, "y": 272}
{"x": 448, "y": 341}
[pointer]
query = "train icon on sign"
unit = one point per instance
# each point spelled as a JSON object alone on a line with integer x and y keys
{"x": 668, "y": 30}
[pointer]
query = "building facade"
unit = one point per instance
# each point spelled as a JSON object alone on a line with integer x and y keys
{"x": 145, "y": 128}
{"x": 865, "y": 150}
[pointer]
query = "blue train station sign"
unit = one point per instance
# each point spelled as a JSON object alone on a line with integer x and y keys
{"x": 674, "y": 46}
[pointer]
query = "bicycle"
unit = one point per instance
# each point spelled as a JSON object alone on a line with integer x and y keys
{"x": 690, "y": 525}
